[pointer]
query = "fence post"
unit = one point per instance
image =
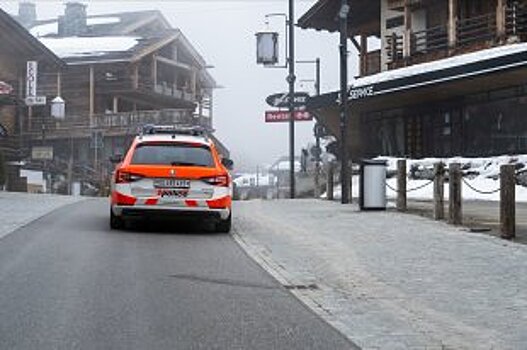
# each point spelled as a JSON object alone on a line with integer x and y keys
{"x": 329, "y": 182}
{"x": 455, "y": 210}
{"x": 439, "y": 191}
{"x": 508, "y": 201}
{"x": 401, "y": 185}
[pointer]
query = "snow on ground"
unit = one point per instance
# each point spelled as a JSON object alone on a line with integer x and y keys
{"x": 88, "y": 46}
{"x": 441, "y": 64}
{"x": 480, "y": 173}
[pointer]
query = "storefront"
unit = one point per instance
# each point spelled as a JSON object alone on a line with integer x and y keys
{"x": 472, "y": 105}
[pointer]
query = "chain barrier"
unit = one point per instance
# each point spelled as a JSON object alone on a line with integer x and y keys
{"x": 479, "y": 191}
{"x": 412, "y": 189}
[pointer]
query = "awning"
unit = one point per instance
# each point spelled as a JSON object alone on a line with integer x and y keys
{"x": 484, "y": 64}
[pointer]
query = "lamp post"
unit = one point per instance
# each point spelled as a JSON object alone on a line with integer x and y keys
{"x": 316, "y": 129}
{"x": 344, "y": 170}
{"x": 267, "y": 54}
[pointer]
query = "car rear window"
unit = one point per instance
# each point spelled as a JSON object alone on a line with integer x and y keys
{"x": 173, "y": 154}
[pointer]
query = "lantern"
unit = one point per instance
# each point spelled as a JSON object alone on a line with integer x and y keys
{"x": 58, "y": 108}
{"x": 267, "y": 48}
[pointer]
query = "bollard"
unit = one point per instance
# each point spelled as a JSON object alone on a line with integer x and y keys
{"x": 455, "y": 216}
{"x": 401, "y": 185}
{"x": 508, "y": 201}
{"x": 329, "y": 183}
{"x": 439, "y": 191}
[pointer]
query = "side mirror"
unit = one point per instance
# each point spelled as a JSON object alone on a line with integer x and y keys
{"x": 116, "y": 158}
{"x": 228, "y": 163}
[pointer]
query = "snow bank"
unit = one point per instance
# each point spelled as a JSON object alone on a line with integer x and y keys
{"x": 53, "y": 27}
{"x": 480, "y": 173}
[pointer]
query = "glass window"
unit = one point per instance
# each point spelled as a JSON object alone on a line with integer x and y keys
{"x": 173, "y": 154}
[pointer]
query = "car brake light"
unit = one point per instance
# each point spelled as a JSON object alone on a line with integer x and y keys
{"x": 126, "y": 177}
{"x": 221, "y": 180}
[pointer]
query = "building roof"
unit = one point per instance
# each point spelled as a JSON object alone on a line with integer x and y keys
{"x": 123, "y": 23}
{"x": 19, "y": 41}
{"x": 483, "y": 63}
{"x": 364, "y": 17}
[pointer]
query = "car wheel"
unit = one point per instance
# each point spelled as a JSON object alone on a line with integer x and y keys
{"x": 224, "y": 226}
{"x": 116, "y": 222}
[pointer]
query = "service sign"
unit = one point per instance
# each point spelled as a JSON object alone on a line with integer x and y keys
{"x": 361, "y": 92}
{"x": 283, "y": 116}
{"x": 282, "y": 100}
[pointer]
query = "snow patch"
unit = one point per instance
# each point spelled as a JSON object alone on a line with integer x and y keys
{"x": 88, "y": 46}
{"x": 53, "y": 27}
{"x": 441, "y": 64}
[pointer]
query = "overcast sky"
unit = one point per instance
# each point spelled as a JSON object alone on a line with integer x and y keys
{"x": 224, "y": 33}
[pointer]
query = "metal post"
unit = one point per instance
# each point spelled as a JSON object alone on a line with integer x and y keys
{"x": 291, "y": 80}
{"x": 344, "y": 169}
{"x": 317, "y": 134}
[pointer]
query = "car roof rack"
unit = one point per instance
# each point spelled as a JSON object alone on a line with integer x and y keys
{"x": 152, "y": 129}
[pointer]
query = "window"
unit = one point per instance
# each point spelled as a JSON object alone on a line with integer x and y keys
{"x": 173, "y": 154}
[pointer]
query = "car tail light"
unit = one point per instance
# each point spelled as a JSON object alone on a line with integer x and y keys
{"x": 222, "y": 180}
{"x": 126, "y": 177}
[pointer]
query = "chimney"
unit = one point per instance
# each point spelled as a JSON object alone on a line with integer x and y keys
{"x": 73, "y": 23}
{"x": 27, "y": 13}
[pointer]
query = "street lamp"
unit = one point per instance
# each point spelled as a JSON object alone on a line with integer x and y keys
{"x": 316, "y": 130}
{"x": 266, "y": 42}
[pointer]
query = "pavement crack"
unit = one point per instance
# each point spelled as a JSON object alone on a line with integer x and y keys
{"x": 224, "y": 281}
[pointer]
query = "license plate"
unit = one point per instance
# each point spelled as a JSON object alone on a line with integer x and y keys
{"x": 167, "y": 194}
{"x": 172, "y": 183}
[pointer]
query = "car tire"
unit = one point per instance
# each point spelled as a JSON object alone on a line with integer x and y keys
{"x": 116, "y": 222}
{"x": 224, "y": 226}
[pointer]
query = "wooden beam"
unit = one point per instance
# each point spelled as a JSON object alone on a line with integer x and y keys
{"x": 355, "y": 43}
{"x": 59, "y": 83}
{"x": 154, "y": 69}
{"x": 363, "y": 55}
{"x": 501, "y": 19}
{"x": 115, "y": 104}
{"x": 136, "y": 76}
{"x": 452, "y": 23}
{"x": 407, "y": 42}
{"x": 174, "y": 63}
{"x": 92, "y": 94}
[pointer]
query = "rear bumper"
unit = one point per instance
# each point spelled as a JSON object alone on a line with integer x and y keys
{"x": 148, "y": 211}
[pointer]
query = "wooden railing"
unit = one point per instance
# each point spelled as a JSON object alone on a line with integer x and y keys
{"x": 394, "y": 47}
{"x": 127, "y": 122}
{"x": 431, "y": 39}
{"x": 476, "y": 29}
{"x": 516, "y": 20}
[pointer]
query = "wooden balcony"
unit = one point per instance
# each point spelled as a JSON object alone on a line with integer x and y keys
{"x": 114, "y": 124}
{"x": 471, "y": 34}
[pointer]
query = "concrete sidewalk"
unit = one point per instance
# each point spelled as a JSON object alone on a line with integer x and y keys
{"x": 389, "y": 280}
{"x": 19, "y": 209}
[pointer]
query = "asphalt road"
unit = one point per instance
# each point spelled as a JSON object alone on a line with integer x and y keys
{"x": 68, "y": 282}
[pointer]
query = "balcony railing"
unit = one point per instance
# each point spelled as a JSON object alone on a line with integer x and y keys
{"x": 116, "y": 123}
{"x": 431, "y": 39}
{"x": 476, "y": 29}
{"x": 516, "y": 20}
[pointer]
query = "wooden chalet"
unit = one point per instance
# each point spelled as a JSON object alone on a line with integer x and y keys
{"x": 449, "y": 78}
{"x": 120, "y": 71}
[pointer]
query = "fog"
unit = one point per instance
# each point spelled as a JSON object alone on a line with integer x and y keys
{"x": 224, "y": 33}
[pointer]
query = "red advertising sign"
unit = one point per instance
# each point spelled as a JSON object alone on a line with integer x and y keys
{"x": 283, "y": 116}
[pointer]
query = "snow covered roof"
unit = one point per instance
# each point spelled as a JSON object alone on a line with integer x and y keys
{"x": 446, "y": 63}
{"x": 71, "y": 47}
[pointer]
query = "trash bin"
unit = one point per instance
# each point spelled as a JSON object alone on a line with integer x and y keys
{"x": 373, "y": 185}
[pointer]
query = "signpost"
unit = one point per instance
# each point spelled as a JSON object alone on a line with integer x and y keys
{"x": 42, "y": 153}
{"x": 31, "y": 85}
{"x": 282, "y": 100}
{"x": 283, "y": 116}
